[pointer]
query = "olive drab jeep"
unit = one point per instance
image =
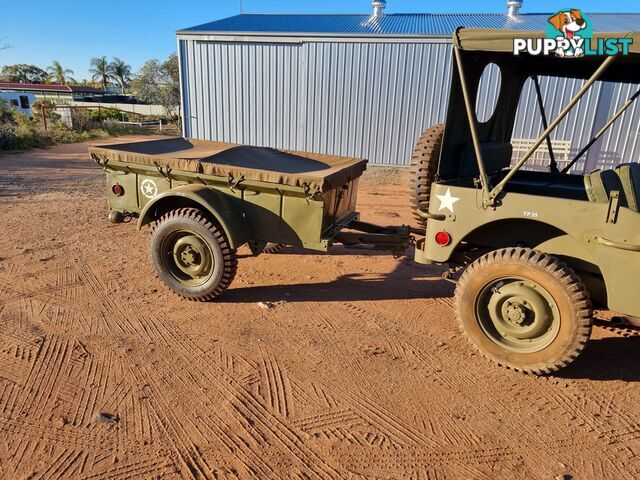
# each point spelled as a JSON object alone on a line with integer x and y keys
{"x": 538, "y": 250}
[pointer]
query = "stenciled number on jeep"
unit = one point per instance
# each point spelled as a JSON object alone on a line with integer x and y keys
{"x": 530, "y": 214}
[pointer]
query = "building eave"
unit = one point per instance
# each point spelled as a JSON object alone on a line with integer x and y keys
{"x": 298, "y": 37}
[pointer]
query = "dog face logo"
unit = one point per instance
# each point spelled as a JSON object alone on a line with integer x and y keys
{"x": 573, "y": 29}
{"x": 568, "y": 22}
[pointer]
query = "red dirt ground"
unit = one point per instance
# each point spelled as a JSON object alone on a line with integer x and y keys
{"x": 359, "y": 372}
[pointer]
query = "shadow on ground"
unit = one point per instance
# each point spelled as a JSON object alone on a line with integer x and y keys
{"x": 407, "y": 280}
{"x": 605, "y": 359}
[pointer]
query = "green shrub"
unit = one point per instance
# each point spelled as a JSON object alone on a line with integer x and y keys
{"x": 114, "y": 128}
{"x": 23, "y": 133}
{"x": 7, "y": 133}
{"x": 105, "y": 114}
{"x": 45, "y": 105}
{"x": 18, "y": 132}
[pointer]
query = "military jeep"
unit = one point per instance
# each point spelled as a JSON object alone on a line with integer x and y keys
{"x": 538, "y": 249}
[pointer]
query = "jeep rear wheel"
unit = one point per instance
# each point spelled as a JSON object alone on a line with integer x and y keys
{"x": 524, "y": 309}
{"x": 191, "y": 254}
{"x": 424, "y": 168}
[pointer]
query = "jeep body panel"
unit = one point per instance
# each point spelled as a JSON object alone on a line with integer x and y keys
{"x": 582, "y": 233}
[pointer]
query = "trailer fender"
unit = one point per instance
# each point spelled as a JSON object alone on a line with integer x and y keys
{"x": 227, "y": 213}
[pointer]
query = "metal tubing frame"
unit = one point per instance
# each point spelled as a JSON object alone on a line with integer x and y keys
{"x": 553, "y": 166}
{"x": 601, "y": 132}
{"x": 471, "y": 117}
{"x": 596, "y": 75}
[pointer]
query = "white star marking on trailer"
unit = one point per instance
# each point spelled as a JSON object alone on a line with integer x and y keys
{"x": 149, "y": 188}
{"x": 447, "y": 200}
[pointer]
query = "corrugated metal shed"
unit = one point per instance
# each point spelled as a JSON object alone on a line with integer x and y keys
{"x": 337, "y": 84}
{"x": 399, "y": 24}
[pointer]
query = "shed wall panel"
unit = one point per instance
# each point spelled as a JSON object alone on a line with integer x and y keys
{"x": 367, "y": 99}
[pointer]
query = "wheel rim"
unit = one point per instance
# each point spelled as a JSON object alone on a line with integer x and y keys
{"x": 518, "y": 314}
{"x": 187, "y": 257}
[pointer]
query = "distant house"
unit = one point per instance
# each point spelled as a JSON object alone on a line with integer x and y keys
{"x": 58, "y": 93}
{"x": 19, "y": 101}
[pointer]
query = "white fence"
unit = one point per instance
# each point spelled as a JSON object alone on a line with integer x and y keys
{"x": 156, "y": 110}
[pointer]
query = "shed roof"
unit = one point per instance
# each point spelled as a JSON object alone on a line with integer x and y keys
{"x": 395, "y": 25}
{"x": 48, "y": 87}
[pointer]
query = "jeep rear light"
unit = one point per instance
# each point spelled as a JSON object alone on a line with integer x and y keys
{"x": 118, "y": 190}
{"x": 443, "y": 238}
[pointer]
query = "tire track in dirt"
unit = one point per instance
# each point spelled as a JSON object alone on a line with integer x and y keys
{"x": 566, "y": 401}
{"x": 95, "y": 372}
{"x": 246, "y": 406}
{"x": 15, "y": 360}
{"x": 386, "y": 423}
{"x": 277, "y": 385}
{"x": 250, "y": 412}
{"x": 61, "y": 466}
{"x": 76, "y": 439}
{"x": 184, "y": 436}
{"x": 452, "y": 432}
{"x": 147, "y": 468}
{"x": 12, "y": 295}
{"x": 50, "y": 359}
{"x": 330, "y": 422}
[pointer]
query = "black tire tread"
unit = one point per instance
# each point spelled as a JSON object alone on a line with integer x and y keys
{"x": 230, "y": 260}
{"x": 424, "y": 168}
{"x": 562, "y": 272}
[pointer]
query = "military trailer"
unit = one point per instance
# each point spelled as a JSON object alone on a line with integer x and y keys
{"x": 536, "y": 250}
{"x": 203, "y": 200}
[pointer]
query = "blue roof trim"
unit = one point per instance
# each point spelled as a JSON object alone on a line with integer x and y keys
{"x": 398, "y": 23}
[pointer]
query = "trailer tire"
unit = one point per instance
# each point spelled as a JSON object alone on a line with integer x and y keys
{"x": 191, "y": 254}
{"x": 424, "y": 168}
{"x": 524, "y": 309}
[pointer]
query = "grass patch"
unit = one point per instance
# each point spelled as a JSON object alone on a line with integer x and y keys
{"x": 19, "y": 133}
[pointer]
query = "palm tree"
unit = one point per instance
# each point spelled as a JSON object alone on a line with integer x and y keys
{"x": 58, "y": 74}
{"x": 100, "y": 71}
{"x": 121, "y": 72}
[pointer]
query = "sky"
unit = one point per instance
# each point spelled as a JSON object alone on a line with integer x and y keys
{"x": 74, "y": 31}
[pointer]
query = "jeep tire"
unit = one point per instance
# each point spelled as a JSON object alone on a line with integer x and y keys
{"x": 424, "y": 168}
{"x": 524, "y": 309}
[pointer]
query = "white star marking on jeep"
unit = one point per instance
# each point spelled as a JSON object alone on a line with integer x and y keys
{"x": 149, "y": 188}
{"x": 447, "y": 200}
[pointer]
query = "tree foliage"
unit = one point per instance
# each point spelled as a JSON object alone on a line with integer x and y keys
{"x": 23, "y": 73}
{"x": 159, "y": 83}
{"x": 58, "y": 74}
{"x": 100, "y": 71}
{"x": 120, "y": 71}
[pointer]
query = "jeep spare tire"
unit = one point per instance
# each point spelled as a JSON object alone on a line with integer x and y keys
{"x": 424, "y": 168}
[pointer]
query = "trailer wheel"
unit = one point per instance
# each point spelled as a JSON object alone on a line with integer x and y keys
{"x": 424, "y": 168}
{"x": 524, "y": 310}
{"x": 191, "y": 254}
